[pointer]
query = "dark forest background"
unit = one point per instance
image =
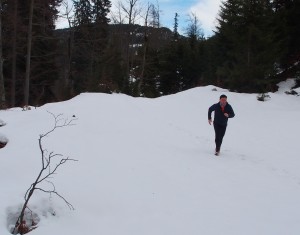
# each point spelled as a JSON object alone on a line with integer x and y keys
{"x": 256, "y": 44}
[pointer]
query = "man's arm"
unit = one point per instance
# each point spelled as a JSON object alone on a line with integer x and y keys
{"x": 210, "y": 110}
{"x": 231, "y": 114}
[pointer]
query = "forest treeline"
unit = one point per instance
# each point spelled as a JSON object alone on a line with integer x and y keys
{"x": 255, "y": 45}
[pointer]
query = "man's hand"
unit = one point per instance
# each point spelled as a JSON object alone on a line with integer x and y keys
{"x": 209, "y": 121}
{"x": 226, "y": 115}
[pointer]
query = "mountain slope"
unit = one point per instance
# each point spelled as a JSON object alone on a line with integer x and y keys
{"x": 146, "y": 166}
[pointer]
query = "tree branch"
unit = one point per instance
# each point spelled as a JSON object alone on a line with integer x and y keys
{"x": 47, "y": 162}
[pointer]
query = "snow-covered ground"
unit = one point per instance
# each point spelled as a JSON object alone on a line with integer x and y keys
{"x": 147, "y": 166}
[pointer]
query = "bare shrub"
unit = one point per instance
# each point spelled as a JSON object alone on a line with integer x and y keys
{"x": 50, "y": 163}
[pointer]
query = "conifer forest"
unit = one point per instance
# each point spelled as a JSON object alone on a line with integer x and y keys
{"x": 255, "y": 45}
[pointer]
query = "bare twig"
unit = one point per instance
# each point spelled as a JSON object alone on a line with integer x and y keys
{"x": 46, "y": 171}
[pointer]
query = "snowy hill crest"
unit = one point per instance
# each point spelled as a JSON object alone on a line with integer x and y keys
{"x": 146, "y": 166}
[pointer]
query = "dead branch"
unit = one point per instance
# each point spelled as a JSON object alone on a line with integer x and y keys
{"x": 48, "y": 169}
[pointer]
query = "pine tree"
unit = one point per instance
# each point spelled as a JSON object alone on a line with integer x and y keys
{"x": 246, "y": 44}
{"x": 175, "y": 30}
{"x": 81, "y": 65}
{"x": 42, "y": 71}
{"x": 101, "y": 77}
{"x": 211, "y": 61}
{"x": 286, "y": 28}
{"x": 101, "y": 9}
{"x": 91, "y": 42}
{"x": 171, "y": 68}
{"x": 2, "y": 88}
{"x": 83, "y": 12}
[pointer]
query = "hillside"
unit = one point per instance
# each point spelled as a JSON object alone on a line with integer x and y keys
{"x": 146, "y": 166}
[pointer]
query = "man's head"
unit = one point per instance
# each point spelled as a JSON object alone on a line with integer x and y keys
{"x": 223, "y": 100}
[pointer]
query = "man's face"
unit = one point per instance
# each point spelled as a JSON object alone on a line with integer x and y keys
{"x": 223, "y": 101}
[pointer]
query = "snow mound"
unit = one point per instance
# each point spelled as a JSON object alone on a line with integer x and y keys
{"x": 2, "y": 123}
{"x": 286, "y": 86}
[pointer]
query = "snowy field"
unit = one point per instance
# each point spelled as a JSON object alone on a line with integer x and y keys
{"x": 147, "y": 166}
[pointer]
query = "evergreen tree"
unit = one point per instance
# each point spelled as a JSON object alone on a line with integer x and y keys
{"x": 211, "y": 61}
{"x": 101, "y": 9}
{"x": 2, "y": 88}
{"x": 171, "y": 68}
{"x": 175, "y": 30}
{"x": 102, "y": 79}
{"x": 171, "y": 64}
{"x": 14, "y": 49}
{"x": 245, "y": 40}
{"x": 43, "y": 67}
{"x": 81, "y": 66}
{"x": 83, "y": 12}
{"x": 193, "y": 56}
{"x": 91, "y": 42}
{"x": 182, "y": 62}
{"x": 286, "y": 27}
{"x": 193, "y": 30}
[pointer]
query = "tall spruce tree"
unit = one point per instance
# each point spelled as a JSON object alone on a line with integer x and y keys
{"x": 91, "y": 43}
{"x": 81, "y": 65}
{"x": 2, "y": 87}
{"x": 246, "y": 44}
{"x": 212, "y": 60}
{"x": 175, "y": 28}
{"x": 14, "y": 50}
{"x": 286, "y": 26}
{"x": 171, "y": 68}
{"x": 101, "y": 9}
{"x": 83, "y": 12}
{"x": 102, "y": 78}
{"x": 193, "y": 57}
{"x": 43, "y": 70}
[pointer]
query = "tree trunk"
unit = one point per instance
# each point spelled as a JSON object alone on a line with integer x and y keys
{"x": 2, "y": 90}
{"x": 28, "y": 57}
{"x": 14, "y": 56}
{"x": 131, "y": 11}
{"x": 68, "y": 56}
{"x": 143, "y": 65}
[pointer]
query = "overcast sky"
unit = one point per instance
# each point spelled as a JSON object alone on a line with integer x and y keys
{"x": 205, "y": 10}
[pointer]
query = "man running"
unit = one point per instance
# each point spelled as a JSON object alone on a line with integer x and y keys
{"x": 223, "y": 111}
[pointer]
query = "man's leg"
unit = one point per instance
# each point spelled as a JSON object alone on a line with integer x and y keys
{"x": 217, "y": 137}
{"x": 219, "y": 134}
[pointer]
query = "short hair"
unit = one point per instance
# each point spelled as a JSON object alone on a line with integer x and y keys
{"x": 223, "y": 96}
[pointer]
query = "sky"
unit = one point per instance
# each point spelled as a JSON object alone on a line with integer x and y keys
{"x": 205, "y": 10}
{"x": 147, "y": 166}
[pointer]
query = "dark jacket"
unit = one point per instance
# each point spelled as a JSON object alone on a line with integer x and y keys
{"x": 219, "y": 117}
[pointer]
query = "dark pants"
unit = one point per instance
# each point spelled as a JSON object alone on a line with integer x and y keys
{"x": 219, "y": 134}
